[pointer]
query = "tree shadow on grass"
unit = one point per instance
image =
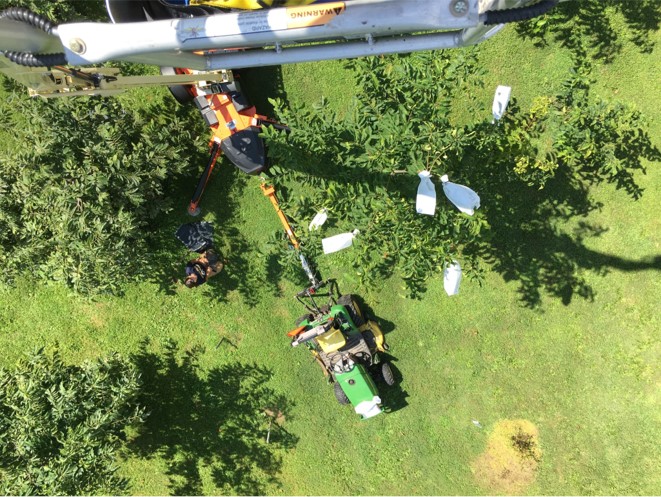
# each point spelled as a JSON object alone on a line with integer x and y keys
{"x": 261, "y": 84}
{"x": 570, "y": 22}
{"x": 243, "y": 272}
{"x": 215, "y": 422}
{"x": 528, "y": 242}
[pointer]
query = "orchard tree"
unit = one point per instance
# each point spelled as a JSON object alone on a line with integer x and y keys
{"x": 362, "y": 167}
{"x": 531, "y": 168}
{"x": 82, "y": 181}
{"x": 61, "y": 425}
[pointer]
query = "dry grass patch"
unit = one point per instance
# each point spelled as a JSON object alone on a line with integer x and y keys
{"x": 509, "y": 463}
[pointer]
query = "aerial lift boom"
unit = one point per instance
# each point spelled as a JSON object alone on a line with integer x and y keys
{"x": 224, "y": 39}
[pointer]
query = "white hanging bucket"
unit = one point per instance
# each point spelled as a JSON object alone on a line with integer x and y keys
{"x": 452, "y": 278}
{"x": 318, "y": 220}
{"x": 500, "y": 101}
{"x": 425, "y": 201}
{"x": 465, "y": 199}
{"x": 338, "y": 242}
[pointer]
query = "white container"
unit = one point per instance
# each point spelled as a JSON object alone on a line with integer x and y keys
{"x": 338, "y": 242}
{"x": 369, "y": 408}
{"x": 318, "y": 220}
{"x": 425, "y": 201}
{"x": 452, "y": 278}
{"x": 500, "y": 101}
{"x": 465, "y": 199}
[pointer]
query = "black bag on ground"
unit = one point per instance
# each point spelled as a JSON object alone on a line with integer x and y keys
{"x": 196, "y": 236}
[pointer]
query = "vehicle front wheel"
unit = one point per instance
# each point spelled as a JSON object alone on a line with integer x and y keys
{"x": 386, "y": 372}
{"x": 339, "y": 394}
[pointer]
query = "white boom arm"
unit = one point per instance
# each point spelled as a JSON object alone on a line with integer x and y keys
{"x": 334, "y": 30}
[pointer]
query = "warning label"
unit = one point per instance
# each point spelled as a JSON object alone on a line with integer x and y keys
{"x": 313, "y": 15}
{"x": 257, "y": 22}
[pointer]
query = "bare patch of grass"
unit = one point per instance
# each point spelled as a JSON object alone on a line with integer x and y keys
{"x": 509, "y": 463}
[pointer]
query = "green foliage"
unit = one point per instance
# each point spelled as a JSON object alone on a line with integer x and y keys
{"x": 62, "y": 10}
{"x": 592, "y": 21}
{"x": 362, "y": 167}
{"x": 353, "y": 166}
{"x": 560, "y": 149}
{"x": 61, "y": 425}
{"x": 574, "y": 135}
{"x": 599, "y": 140}
{"x": 81, "y": 181}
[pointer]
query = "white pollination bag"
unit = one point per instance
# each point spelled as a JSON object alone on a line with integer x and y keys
{"x": 319, "y": 219}
{"x": 338, "y": 242}
{"x": 452, "y": 278}
{"x": 500, "y": 101}
{"x": 465, "y": 199}
{"x": 425, "y": 201}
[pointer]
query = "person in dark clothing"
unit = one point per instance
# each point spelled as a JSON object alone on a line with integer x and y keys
{"x": 199, "y": 270}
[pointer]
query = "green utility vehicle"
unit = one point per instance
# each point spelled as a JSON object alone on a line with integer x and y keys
{"x": 347, "y": 346}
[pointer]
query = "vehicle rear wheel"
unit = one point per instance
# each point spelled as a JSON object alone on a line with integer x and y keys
{"x": 350, "y": 303}
{"x": 339, "y": 394}
{"x": 386, "y": 373}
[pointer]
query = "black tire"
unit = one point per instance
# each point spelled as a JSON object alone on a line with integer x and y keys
{"x": 386, "y": 373}
{"x": 303, "y": 318}
{"x": 339, "y": 394}
{"x": 351, "y": 305}
{"x": 179, "y": 92}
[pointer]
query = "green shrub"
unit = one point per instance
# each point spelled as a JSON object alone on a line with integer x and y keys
{"x": 61, "y": 425}
{"x": 81, "y": 181}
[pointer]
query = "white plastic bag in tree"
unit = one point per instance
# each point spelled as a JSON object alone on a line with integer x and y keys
{"x": 319, "y": 219}
{"x": 452, "y": 278}
{"x": 338, "y": 242}
{"x": 425, "y": 201}
{"x": 500, "y": 101}
{"x": 465, "y": 199}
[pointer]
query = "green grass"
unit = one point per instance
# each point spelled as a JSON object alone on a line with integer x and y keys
{"x": 309, "y": 83}
{"x": 586, "y": 374}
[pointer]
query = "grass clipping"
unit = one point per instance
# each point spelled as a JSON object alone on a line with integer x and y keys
{"x": 509, "y": 463}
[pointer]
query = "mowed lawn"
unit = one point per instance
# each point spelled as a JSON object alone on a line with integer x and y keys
{"x": 586, "y": 374}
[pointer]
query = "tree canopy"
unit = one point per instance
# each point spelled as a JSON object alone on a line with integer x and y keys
{"x": 531, "y": 168}
{"x": 61, "y": 425}
{"x": 82, "y": 180}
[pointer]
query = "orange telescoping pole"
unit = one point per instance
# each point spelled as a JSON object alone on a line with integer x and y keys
{"x": 269, "y": 191}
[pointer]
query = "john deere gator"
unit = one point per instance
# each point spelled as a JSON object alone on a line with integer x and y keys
{"x": 347, "y": 345}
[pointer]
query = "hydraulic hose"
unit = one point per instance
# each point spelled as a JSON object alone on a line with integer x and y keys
{"x": 519, "y": 14}
{"x": 26, "y": 16}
